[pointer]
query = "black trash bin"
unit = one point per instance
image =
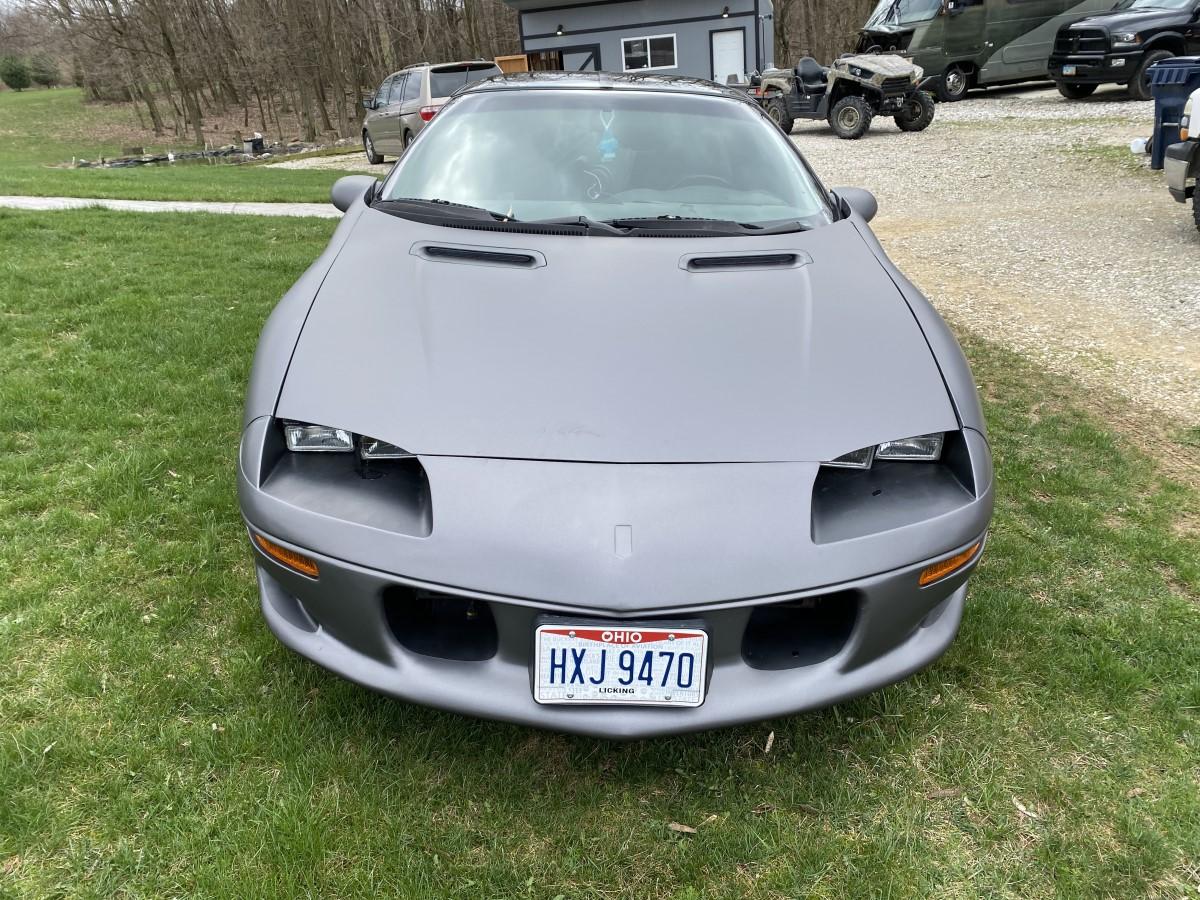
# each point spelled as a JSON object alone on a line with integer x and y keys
{"x": 1171, "y": 82}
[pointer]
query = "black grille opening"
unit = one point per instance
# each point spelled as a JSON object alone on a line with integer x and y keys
{"x": 440, "y": 625}
{"x": 799, "y": 632}
{"x": 1081, "y": 41}
{"x": 491, "y": 257}
{"x": 756, "y": 261}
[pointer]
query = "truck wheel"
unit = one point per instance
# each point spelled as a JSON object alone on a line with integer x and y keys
{"x": 369, "y": 148}
{"x": 1075, "y": 91}
{"x": 851, "y": 118}
{"x": 777, "y": 112}
{"x": 917, "y": 113}
{"x": 1139, "y": 85}
{"x": 1196, "y": 210}
{"x": 953, "y": 84}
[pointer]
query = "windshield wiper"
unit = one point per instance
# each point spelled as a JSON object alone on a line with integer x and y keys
{"x": 451, "y": 207}
{"x": 699, "y": 224}
{"x": 582, "y": 222}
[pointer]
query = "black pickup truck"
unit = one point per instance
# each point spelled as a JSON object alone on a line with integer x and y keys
{"x": 1118, "y": 47}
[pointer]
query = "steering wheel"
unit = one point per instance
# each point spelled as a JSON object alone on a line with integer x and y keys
{"x": 702, "y": 179}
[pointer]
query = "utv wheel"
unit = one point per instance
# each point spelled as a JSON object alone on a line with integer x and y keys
{"x": 917, "y": 113}
{"x": 851, "y": 117}
{"x": 1139, "y": 85}
{"x": 777, "y": 112}
{"x": 953, "y": 84}
{"x": 1076, "y": 91}
{"x": 369, "y": 148}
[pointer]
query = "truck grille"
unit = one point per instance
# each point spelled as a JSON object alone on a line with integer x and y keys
{"x": 1081, "y": 41}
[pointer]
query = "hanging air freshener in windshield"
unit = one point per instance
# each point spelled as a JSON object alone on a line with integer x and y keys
{"x": 609, "y": 145}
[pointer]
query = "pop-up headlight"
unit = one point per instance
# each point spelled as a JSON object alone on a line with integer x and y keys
{"x": 921, "y": 448}
{"x": 317, "y": 438}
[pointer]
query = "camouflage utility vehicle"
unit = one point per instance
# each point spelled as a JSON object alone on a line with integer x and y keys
{"x": 850, "y": 93}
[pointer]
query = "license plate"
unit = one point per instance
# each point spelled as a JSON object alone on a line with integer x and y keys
{"x": 1068, "y": 70}
{"x": 620, "y": 664}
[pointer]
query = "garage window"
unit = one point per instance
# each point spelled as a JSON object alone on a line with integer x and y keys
{"x": 652, "y": 52}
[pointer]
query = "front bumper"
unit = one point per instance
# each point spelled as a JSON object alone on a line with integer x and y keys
{"x": 711, "y": 545}
{"x": 1116, "y": 67}
{"x": 1178, "y": 167}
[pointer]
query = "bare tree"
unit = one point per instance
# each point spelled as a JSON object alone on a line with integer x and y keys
{"x": 298, "y": 67}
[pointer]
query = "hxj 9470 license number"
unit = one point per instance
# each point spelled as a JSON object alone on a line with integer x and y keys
{"x": 620, "y": 664}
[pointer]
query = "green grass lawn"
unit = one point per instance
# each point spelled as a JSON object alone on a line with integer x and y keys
{"x": 156, "y": 741}
{"x": 41, "y": 129}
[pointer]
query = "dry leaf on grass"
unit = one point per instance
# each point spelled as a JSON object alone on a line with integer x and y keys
{"x": 943, "y": 793}
{"x": 1023, "y": 810}
{"x": 770, "y": 742}
{"x": 681, "y": 829}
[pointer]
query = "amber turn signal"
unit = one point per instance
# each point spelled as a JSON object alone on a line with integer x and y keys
{"x": 290, "y": 558}
{"x": 940, "y": 570}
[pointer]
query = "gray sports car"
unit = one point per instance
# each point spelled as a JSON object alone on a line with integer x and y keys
{"x": 601, "y": 414}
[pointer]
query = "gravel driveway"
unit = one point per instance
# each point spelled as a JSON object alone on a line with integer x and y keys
{"x": 1026, "y": 219}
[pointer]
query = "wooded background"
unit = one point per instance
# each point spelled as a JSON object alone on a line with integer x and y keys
{"x": 296, "y": 68}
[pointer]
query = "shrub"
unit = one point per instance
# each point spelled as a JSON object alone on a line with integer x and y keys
{"x": 14, "y": 73}
{"x": 43, "y": 70}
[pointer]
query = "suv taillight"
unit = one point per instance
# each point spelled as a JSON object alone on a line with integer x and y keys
{"x": 428, "y": 112}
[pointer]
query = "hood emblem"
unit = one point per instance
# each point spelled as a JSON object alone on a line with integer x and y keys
{"x": 623, "y": 541}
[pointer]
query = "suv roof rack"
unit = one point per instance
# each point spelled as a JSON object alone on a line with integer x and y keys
{"x": 416, "y": 66}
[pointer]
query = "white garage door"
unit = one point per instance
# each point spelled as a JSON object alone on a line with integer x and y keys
{"x": 728, "y": 54}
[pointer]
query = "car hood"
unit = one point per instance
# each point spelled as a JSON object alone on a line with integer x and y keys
{"x": 1129, "y": 20}
{"x": 610, "y": 350}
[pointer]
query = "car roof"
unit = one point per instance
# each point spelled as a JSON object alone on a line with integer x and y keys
{"x": 472, "y": 63}
{"x": 599, "y": 81}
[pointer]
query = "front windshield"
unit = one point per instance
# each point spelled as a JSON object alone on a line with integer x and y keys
{"x": 903, "y": 12}
{"x": 1154, "y": 4}
{"x": 609, "y": 155}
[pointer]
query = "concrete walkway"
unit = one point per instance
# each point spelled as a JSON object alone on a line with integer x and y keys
{"x": 319, "y": 210}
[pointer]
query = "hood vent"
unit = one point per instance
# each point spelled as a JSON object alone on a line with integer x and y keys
{"x": 479, "y": 256}
{"x": 770, "y": 259}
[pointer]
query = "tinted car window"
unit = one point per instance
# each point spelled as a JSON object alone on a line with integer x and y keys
{"x": 610, "y": 155}
{"x": 445, "y": 81}
{"x": 398, "y": 83}
{"x": 381, "y": 95}
{"x": 412, "y": 87}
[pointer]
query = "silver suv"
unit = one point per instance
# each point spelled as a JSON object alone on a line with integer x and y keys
{"x": 408, "y": 99}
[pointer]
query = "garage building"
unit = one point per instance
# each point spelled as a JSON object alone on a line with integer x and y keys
{"x": 700, "y": 38}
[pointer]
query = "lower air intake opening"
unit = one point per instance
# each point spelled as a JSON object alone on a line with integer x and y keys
{"x": 799, "y": 633}
{"x": 440, "y": 625}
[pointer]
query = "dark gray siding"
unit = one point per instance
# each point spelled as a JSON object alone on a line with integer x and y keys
{"x": 602, "y": 26}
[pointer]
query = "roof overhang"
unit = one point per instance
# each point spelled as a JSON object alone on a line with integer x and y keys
{"x": 534, "y": 5}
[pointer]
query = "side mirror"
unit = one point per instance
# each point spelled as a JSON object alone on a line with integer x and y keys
{"x": 369, "y": 102}
{"x": 856, "y": 200}
{"x": 348, "y": 189}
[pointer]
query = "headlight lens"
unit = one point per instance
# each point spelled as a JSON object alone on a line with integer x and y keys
{"x": 856, "y": 459}
{"x": 303, "y": 438}
{"x": 921, "y": 448}
{"x": 317, "y": 438}
{"x": 1127, "y": 37}
{"x": 372, "y": 448}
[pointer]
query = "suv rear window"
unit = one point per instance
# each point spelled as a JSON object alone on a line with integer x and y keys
{"x": 445, "y": 80}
